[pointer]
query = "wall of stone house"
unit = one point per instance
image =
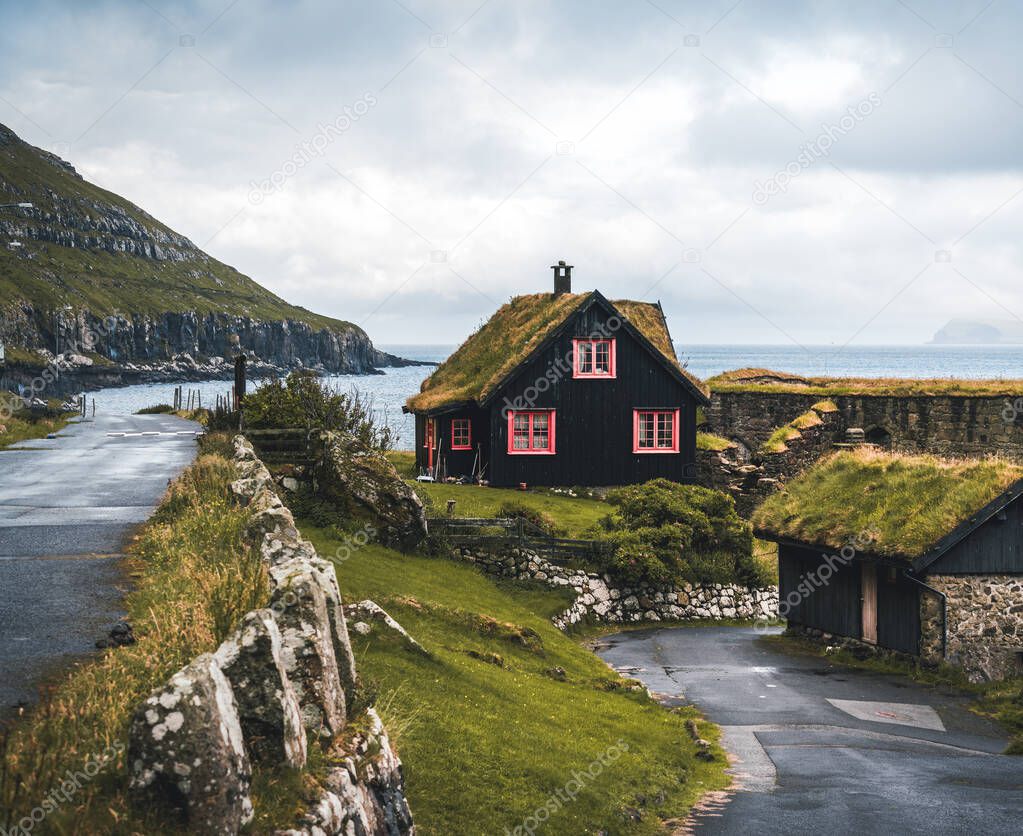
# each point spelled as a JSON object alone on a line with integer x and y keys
{"x": 599, "y": 599}
{"x": 945, "y": 425}
{"x": 749, "y": 478}
{"x": 985, "y": 624}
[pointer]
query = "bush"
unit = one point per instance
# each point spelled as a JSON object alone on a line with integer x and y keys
{"x": 665, "y": 532}
{"x": 541, "y": 520}
{"x": 303, "y": 401}
{"x": 157, "y": 409}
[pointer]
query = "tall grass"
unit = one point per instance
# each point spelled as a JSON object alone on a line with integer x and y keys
{"x": 194, "y": 578}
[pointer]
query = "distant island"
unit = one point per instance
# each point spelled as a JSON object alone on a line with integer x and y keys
{"x": 980, "y": 332}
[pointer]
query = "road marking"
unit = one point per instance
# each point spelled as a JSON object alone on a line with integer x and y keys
{"x": 153, "y": 433}
{"x": 900, "y": 714}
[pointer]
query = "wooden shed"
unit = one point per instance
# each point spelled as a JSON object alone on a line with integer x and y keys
{"x": 912, "y": 554}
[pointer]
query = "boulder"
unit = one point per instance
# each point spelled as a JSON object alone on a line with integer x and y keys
{"x": 365, "y": 794}
{"x": 186, "y": 755}
{"x": 286, "y": 548}
{"x": 268, "y": 709}
{"x": 300, "y": 605}
{"x": 365, "y": 482}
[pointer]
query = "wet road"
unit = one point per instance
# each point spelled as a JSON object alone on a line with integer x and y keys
{"x": 67, "y": 508}
{"x": 821, "y": 748}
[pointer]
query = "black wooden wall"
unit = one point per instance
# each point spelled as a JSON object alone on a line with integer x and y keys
{"x": 836, "y": 606}
{"x": 994, "y": 548}
{"x": 595, "y": 418}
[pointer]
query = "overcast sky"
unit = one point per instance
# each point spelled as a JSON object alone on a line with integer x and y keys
{"x": 411, "y": 165}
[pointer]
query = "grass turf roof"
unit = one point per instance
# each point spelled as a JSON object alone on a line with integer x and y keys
{"x": 905, "y": 504}
{"x": 768, "y": 382}
{"x": 490, "y": 354}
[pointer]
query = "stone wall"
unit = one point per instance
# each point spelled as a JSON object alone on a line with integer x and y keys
{"x": 750, "y": 477}
{"x": 985, "y": 624}
{"x": 598, "y": 599}
{"x": 283, "y": 681}
{"x": 945, "y": 425}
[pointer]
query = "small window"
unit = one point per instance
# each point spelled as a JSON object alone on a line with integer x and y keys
{"x": 594, "y": 358}
{"x": 461, "y": 434}
{"x": 655, "y": 431}
{"x": 531, "y": 433}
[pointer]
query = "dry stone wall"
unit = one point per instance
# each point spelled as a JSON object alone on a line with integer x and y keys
{"x": 985, "y": 624}
{"x": 598, "y": 599}
{"x": 945, "y": 425}
{"x": 286, "y": 673}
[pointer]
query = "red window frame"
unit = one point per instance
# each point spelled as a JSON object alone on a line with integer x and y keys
{"x": 594, "y": 347}
{"x": 465, "y": 425}
{"x": 531, "y": 416}
{"x": 657, "y": 417}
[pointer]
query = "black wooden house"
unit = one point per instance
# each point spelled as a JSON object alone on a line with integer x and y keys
{"x": 910, "y": 554}
{"x": 561, "y": 389}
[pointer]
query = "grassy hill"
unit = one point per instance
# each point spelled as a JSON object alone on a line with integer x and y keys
{"x": 89, "y": 248}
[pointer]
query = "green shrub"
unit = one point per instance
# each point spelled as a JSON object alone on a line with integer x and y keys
{"x": 542, "y": 520}
{"x": 665, "y": 532}
{"x": 302, "y": 400}
{"x": 156, "y": 409}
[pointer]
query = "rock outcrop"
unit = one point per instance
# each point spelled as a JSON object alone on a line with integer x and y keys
{"x": 365, "y": 484}
{"x": 268, "y": 708}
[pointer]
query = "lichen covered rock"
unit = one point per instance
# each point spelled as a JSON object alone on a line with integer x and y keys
{"x": 365, "y": 483}
{"x": 365, "y": 794}
{"x": 186, "y": 753}
{"x": 268, "y": 709}
{"x": 307, "y": 640}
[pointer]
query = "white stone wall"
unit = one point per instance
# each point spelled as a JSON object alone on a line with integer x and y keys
{"x": 985, "y": 623}
{"x": 598, "y": 599}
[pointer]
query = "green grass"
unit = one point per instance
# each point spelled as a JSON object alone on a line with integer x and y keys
{"x": 574, "y": 515}
{"x": 774, "y": 382}
{"x": 21, "y": 426}
{"x": 778, "y": 441}
{"x": 714, "y": 443}
{"x": 903, "y": 504}
{"x": 998, "y": 701}
{"x": 486, "y": 739}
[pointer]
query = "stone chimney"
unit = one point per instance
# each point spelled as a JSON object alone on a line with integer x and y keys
{"x": 562, "y": 278}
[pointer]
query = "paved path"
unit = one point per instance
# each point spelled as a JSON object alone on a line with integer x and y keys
{"x": 825, "y": 749}
{"x": 67, "y": 507}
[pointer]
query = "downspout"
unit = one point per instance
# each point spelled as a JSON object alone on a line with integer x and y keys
{"x": 944, "y": 609}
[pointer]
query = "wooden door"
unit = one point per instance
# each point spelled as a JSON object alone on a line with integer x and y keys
{"x": 869, "y": 593}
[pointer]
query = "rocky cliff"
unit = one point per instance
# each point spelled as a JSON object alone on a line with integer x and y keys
{"x": 85, "y": 271}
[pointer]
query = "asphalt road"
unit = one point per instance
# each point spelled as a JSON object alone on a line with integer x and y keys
{"x": 820, "y": 748}
{"x": 67, "y": 508}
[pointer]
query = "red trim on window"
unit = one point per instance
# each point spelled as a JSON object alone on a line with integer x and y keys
{"x": 597, "y": 353}
{"x": 461, "y": 440}
{"x": 531, "y": 431}
{"x": 653, "y": 423}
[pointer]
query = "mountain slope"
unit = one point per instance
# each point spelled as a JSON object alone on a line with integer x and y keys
{"x": 88, "y": 249}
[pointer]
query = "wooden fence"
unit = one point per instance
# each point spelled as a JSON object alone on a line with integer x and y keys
{"x": 514, "y": 532}
{"x": 297, "y": 446}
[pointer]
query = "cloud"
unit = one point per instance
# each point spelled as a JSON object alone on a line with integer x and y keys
{"x": 627, "y": 138}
